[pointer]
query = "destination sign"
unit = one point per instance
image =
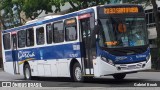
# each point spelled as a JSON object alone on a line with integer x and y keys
{"x": 71, "y": 21}
{"x": 120, "y": 10}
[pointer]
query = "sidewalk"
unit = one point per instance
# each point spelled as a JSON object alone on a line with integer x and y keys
{"x": 151, "y": 70}
{"x": 1, "y": 69}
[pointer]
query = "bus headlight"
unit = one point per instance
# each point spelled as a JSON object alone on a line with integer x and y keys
{"x": 109, "y": 61}
{"x": 104, "y": 59}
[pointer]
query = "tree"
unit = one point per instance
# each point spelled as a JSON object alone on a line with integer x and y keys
{"x": 6, "y": 6}
{"x": 33, "y": 8}
{"x": 76, "y": 4}
{"x": 18, "y": 6}
{"x": 82, "y": 4}
{"x": 157, "y": 20}
{"x": 2, "y": 22}
{"x": 57, "y": 4}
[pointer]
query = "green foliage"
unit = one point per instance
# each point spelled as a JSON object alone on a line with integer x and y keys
{"x": 33, "y": 8}
{"x": 57, "y": 4}
{"x": 145, "y": 2}
{"x": 82, "y": 4}
{"x": 6, "y": 5}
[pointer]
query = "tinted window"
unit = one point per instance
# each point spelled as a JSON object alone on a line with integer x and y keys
{"x": 92, "y": 21}
{"x": 6, "y": 41}
{"x": 49, "y": 33}
{"x": 30, "y": 37}
{"x": 58, "y": 35}
{"x": 21, "y": 38}
{"x": 71, "y": 33}
{"x": 40, "y": 35}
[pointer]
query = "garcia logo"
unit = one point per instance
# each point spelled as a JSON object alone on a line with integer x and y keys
{"x": 120, "y": 58}
{"x": 25, "y": 54}
{"x": 140, "y": 56}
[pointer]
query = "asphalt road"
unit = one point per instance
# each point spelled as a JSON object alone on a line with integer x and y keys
{"x": 130, "y": 80}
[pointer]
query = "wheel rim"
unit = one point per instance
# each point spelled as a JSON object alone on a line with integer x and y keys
{"x": 78, "y": 73}
{"x": 27, "y": 73}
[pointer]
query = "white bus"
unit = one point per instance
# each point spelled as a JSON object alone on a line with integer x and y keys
{"x": 93, "y": 42}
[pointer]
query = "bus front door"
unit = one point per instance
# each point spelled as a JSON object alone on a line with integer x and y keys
{"x": 14, "y": 53}
{"x": 85, "y": 28}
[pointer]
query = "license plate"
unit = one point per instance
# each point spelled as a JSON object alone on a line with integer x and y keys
{"x": 132, "y": 67}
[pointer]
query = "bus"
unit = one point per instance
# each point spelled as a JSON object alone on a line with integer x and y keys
{"x": 93, "y": 42}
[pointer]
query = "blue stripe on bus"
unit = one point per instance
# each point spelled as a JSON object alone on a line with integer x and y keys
{"x": 125, "y": 59}
{"x": 46, "y": 53}
{"x": 67, "y": 51}
{"x": 50, "y": 20}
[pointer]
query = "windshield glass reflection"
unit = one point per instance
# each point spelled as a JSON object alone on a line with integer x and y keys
{"x": 123, "y": 32}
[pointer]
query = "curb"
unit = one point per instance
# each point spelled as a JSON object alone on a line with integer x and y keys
{"x": 151, "y": 70}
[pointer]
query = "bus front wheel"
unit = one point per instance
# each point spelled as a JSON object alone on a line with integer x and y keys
{"x": 27, "y": 72}
{"x": 119, "y": 76}
{"x": 77, "y": 73}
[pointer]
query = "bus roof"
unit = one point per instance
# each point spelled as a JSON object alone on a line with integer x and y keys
{"x": 125, "y": 4}
{"x": 41, "y": 19}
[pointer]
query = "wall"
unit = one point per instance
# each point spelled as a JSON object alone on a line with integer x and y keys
{"x": 1, "y": 61}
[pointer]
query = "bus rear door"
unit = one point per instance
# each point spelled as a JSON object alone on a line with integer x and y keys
{"x": 14, "y": 52}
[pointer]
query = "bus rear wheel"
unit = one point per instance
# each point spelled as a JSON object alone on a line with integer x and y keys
{"x": 27, "y": 72}
{"x": 119, "y": 76}
{"x": 77, "y": 73}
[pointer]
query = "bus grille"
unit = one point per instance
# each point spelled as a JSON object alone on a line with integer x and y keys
{"x": 129, "y": 67}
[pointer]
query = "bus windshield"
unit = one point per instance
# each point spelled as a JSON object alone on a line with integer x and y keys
{"x": 123, "y": 32}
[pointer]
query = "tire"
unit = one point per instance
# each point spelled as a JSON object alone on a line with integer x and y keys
{"x": 27, "y": 72}
{"x": 77, "y": 73}
{"x": 119, "y": 76}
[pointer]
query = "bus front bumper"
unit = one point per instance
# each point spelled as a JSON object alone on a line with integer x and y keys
{"x": 102, "y": 68}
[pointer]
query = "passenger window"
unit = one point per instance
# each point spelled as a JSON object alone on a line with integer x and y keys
{"x": 70, "y": 30}
{"x": 30, "y": 37}
{"x": 58, "y": 35}
{"x": 21, "y": 38}
{"x": 49, "y": 33}
{"x": 6, "y": 41}
{"x": 40, "y": 35}
{"x": 71, "y": 33}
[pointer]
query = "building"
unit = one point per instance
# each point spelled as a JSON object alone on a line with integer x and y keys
{"x": 150, "y": 19}
{"x": 1, "y": 27}
{"x": 64, "y": 8}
